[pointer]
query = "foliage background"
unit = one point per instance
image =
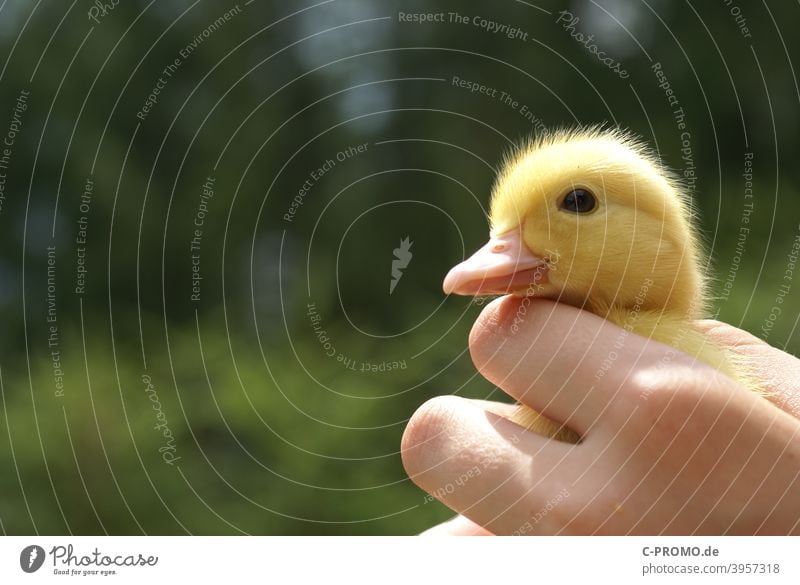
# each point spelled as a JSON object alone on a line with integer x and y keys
{"x": 274, "y": 436}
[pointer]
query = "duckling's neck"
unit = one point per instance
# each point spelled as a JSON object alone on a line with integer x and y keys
{"x": 679, "y": 298}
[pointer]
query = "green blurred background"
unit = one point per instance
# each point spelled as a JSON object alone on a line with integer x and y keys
{"x": 271, "y": 397}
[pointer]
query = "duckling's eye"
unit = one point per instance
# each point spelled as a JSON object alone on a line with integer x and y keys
{"x": 579, "y": 201}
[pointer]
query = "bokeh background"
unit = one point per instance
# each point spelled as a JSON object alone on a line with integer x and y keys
{"x": 255, "y": 376}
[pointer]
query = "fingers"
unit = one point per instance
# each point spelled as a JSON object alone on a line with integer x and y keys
{"x": 498, "y": 408}
{"x": 566, "y": 363}
{"x": 479, "y": 464}
{"x": 778, "y": 371}
{"x": 458, "y": 526}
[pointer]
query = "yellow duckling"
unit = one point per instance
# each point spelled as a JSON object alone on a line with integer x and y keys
{"x": 590, "y": 217}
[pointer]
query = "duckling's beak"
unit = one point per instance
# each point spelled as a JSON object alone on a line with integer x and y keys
{"x": 504, "y": 265}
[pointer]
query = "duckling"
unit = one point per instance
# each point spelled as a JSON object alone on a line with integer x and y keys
{"x": 590, "y": 217}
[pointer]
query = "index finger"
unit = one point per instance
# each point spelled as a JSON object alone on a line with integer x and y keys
{"x": 568, "y": 364}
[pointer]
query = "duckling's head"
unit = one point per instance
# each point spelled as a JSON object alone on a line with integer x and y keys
{"x": 588, "y": 217}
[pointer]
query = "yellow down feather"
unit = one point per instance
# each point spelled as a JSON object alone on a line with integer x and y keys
{"x": 637, "y": 260}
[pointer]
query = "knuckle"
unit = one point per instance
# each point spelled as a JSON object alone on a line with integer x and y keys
{"x": 674, "y": 396}
{"x": 662, "y": 388}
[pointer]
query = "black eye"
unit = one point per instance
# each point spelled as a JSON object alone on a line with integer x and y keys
{"x": 579, "y": 201}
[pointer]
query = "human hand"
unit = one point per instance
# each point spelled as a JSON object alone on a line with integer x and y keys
{"x": 670, "y": 445}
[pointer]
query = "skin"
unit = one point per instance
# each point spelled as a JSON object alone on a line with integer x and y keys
{"x": 670, "y": 445}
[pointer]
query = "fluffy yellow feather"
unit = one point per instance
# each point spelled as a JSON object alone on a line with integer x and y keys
{"x": 590, "y": 217}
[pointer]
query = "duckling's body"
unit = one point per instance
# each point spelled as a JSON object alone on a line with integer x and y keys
{"x": 591, "y": 218}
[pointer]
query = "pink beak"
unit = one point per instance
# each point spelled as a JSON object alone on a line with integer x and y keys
{"x": 503, "y": 265}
